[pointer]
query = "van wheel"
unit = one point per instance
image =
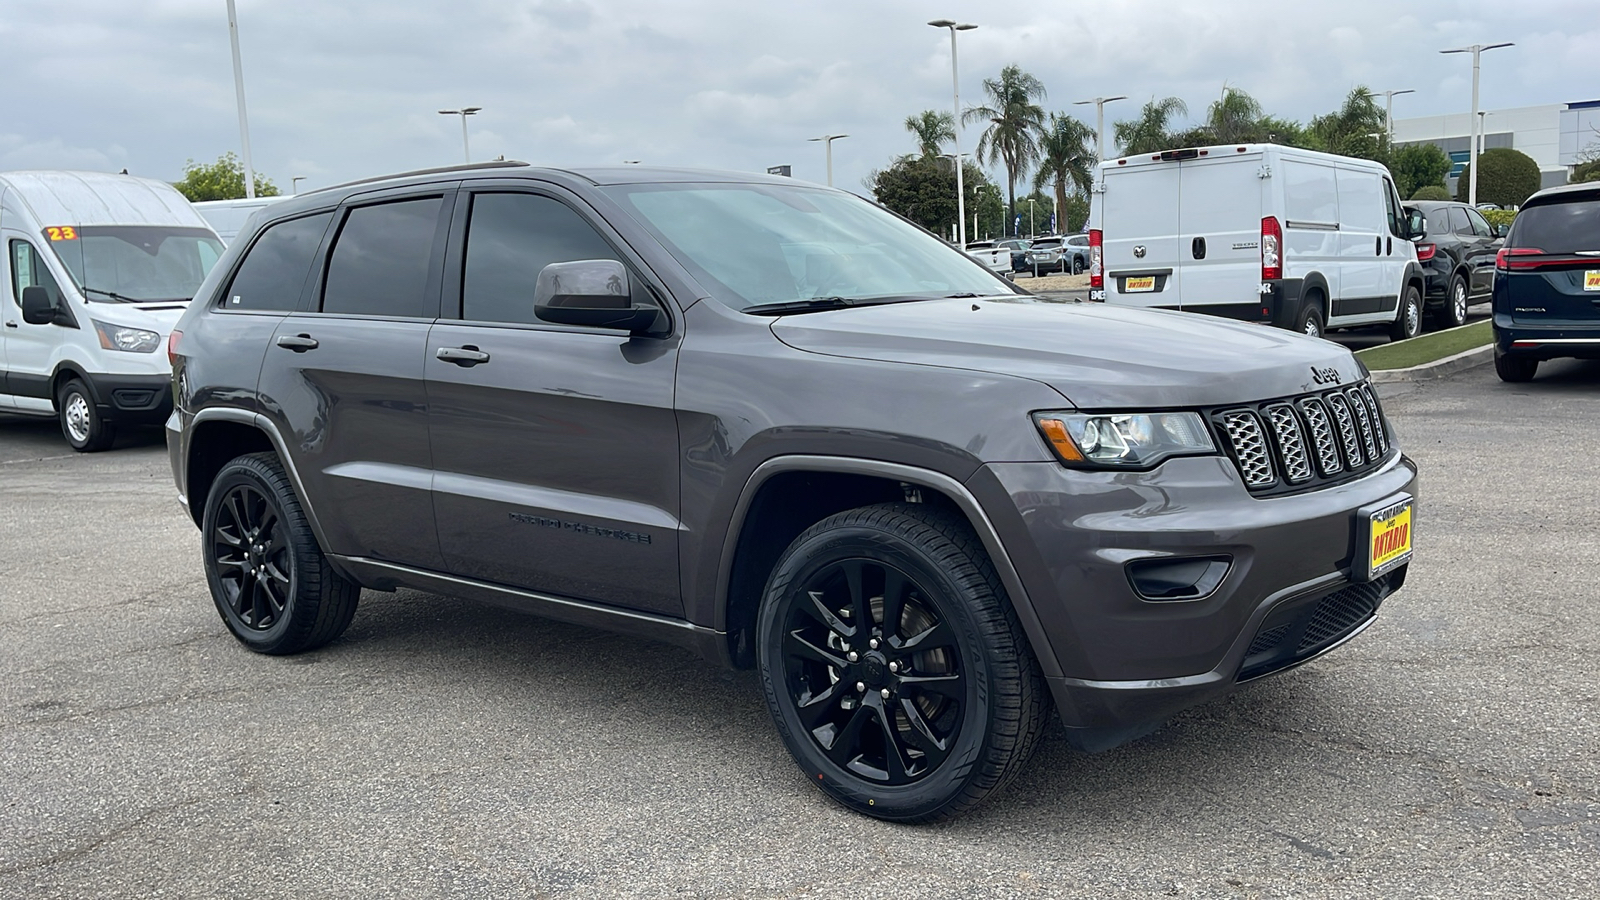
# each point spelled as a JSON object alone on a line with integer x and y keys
{"x": 1408, "y": 318}
{"x": 1455, "y": 309}
{"x": 1310, "y": 319}
{"x": 269, "y": 579}
{"x": 1514, "y": 369}
{"x": 893, "y": 665}
{"x": 81, "y": 423}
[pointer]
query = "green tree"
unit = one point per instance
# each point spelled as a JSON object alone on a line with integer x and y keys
{"x": 1431, "y": 192}
{"x": 1015, "y": 120}
{"x": 1281, "y": 131}
{"x": 932, "y": 130}
{"x": 1066, "y": 158}
{"x": 1151, "y": 132}
{"x": 1418, "y": 166}
{"x": 221, "y": 180}
{"x": 1035, "y": 210}
{"x": 923, "y": 189}
{"x": 1505, "y": 176}
{"x": 1586, "y": 171}
{"x": 1356, "y": 128}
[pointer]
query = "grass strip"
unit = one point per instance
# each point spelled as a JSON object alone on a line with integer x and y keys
{"x": 1428, "y": 347}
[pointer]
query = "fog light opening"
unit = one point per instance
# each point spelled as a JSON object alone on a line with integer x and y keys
{"x": 1178, "y": 578}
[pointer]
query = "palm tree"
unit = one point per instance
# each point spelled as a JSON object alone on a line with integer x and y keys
{"x": 932, "y": 130}
{"x": 1014, "y": 120}
{"x": 1350, "y": 129}
{"x": 1234, "y": 118}
{"x": 1152, "y": 131}
{"x": 1066, "y": 156}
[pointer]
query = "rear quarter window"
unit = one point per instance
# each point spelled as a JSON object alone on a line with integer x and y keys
{"x": 1565, "y": 227}
{"x": 275, "y": 268}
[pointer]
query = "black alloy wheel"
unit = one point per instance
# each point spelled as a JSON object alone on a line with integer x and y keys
{"x": 894, "y": 668}
{"x": 269, "y": 579}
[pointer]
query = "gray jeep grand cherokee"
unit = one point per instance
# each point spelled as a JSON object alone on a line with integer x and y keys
{"x": 784, "y": 428}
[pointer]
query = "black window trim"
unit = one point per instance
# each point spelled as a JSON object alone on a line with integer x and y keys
{"x": 311, "y": 305}
{"x": 219, "y": 302}
{"x": 454, "y": 273}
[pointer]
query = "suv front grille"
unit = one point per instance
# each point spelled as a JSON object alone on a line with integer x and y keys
{"x": 1300, "y": 443}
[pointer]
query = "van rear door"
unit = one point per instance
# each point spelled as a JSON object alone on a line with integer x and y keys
{"x": 1139, "y": 228}
{"x": 1219, "y": 221}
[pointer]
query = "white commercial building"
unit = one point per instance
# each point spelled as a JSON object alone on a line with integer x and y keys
{"x": 1555, "y": 135}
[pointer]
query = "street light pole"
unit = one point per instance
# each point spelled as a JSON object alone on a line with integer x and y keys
{"x": 466, "y": 149}
{"x": 827, "y": 141}
{"x": 1388, "y": 111}
{"x": 1100, "y": 121}
{"x": 1472, "y": 150}
{"x": 238, "y": 90}
{"x": 294, "y": 185}
{"x": 955, "y": 91}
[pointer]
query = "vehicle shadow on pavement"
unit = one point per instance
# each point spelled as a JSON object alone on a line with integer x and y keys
{"x": 42, "y": 437}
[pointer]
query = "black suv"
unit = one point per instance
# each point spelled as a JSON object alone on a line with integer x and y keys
{"x": 783, "y": 427}
{"x": 1456, "y": 247}
{"x": 1547, "y": 282}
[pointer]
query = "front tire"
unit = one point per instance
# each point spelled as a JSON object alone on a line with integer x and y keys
{"x": 81, "y": 422}
{"x": 1077, "y": 265}
{"x": 1408, "y": 318}
{"x": 269, "y": 579}
{"x": 894, "y": 667}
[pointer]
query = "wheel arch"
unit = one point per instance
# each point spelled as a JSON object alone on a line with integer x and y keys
{"x": 788, "y": 494}
{"x": 65, "y": 371}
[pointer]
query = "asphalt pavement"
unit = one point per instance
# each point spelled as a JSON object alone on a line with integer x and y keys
{"x": 446, "y": 749}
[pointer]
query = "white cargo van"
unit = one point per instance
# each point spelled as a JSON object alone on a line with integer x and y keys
{"x": 97, "y": 269}
{"x": 227, "y": 217}
{"x": 1259, "y": 232}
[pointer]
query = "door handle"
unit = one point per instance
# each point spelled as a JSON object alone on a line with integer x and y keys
{"x": 1377, "y": 246}
{"x": 11, "y": 324}
{"x": 465, "y": 356}
{"x": 1197, "y": 248}
{"x": 299, "y": 343}
{"x": 1388, "y": 246}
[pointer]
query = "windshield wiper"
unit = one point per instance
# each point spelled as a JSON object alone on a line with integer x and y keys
{"x": 810, "y": 304}
{"x": 112, "y": 294}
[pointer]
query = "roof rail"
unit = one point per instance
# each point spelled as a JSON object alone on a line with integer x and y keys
{"x": 492, "y": 164}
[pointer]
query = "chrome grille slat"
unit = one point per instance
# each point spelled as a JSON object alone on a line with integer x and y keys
{"x": 1250, "y": 448}
{"x": 1322, "y": 438}
{"x": 1291, "y": 443}
{"x": 1358, "y": 406}
{"x": 1348, "y": 438}
{"x": 1380, "y": 429}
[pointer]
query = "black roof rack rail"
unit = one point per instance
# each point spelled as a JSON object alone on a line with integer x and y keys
{"x": 464, "y": 167}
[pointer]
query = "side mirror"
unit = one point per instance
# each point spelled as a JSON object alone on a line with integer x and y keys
{"x": 1502, "y": 230}
{"x": 1416, "y": 224}
{"x": 591, "y": 292}
{"x": 37, "y": 307}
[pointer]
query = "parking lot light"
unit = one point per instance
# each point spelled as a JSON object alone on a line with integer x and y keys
{"x": 1388, "y": 111}
{"x": 1472, "y": 148}
{"x": 955, "y": 87}
{"x": 828, "y": 140}
{"x": 466, "y": 150}
{"x": 1100, "y": 120}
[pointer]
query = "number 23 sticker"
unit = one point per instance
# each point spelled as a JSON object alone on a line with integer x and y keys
{"x": 61, "y": 233}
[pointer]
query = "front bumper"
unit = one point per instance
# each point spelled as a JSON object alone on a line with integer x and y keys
{"x": 132, "y": 399}
{"x": 1127, "y": 663}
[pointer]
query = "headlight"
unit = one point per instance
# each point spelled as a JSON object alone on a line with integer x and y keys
{"x": 121, "y": 337}
{"x": 1124, "y": 440}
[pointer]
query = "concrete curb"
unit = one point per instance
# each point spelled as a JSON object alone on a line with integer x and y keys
{"x": 1439, "y": 368}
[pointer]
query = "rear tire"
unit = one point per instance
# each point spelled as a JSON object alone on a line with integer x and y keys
{"x": 1309, "y": 322}
{"x": 895, "y": 669}
{"x": 1514, "y": 369}
{"x": 1454, "y": 314}
{"x": 269, "y": 579}
{"x": 81, "y": 423}
{"x": 1408, "y": 318}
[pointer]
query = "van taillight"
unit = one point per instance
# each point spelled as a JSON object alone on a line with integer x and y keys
{"x": 1425, "y": 252}
{"x": 1097, "y": 272}
{"x": 1271, "y": 249}
{"x": 172, "y": 347}
{"x": 1504, "y": 262}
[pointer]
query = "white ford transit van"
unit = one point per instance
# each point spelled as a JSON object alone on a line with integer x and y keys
{"x": 1259, "y": 232}
{"x": 97, "y": 269}
{"x": 227, "y": 217}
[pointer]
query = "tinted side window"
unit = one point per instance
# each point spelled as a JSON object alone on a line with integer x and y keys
{"x": 1480, "y": 225}
{"x": 1439, "y": 222}
{"x": 379, "y": 264}
{"x": 510, "y": 238}
{"x": 274, "y": 270}
{"x": 1458, "y": 221}
{"x": 28, "y": 270}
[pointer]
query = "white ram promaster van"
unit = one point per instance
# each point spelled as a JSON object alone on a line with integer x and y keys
{"x": 97, "y": 269}
{"x": 1260, "y": 232}
{"x": 227, "y": 217}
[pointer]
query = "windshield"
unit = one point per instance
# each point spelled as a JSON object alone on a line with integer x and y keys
{"x": 757, "y": 244}
{"x": 135, "y": 263}
{"x": 1569, "y": 227}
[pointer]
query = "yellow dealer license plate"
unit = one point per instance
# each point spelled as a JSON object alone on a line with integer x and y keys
{"x": 1138, "y": 284}
{"x": 1389, "y": 538}
{"x": 1591, "y": 280}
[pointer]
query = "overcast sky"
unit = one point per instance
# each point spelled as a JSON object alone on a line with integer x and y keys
{"x": 343, "y": 89}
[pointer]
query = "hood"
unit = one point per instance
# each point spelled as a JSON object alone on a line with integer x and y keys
{"x": 1097, "y": 356}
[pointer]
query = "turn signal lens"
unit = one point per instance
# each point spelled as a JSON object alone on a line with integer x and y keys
{"x": 1055, "y": 431}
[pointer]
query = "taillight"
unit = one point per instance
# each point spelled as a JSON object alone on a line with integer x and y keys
{"x": 172, "y": 347}
{"x": 1271, "y": 249}
{"x": 1097, "y": 272}
{"x": 1425, "y": 252}
{"x": 1505, "y": 261}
